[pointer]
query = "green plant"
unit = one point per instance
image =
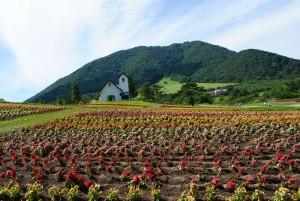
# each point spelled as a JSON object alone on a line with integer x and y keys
{"x": 282, "y": 194}
{"x": 15, "y": 192}
{"x": 257, "y": 195}
{"x": 4, "y": 193}
{"x": 155, "y": 193}
{"x": 296, "y": 195}
{"x": 112, "y": 195}
{"x": 54, "y": 193}
{"x": 93, "y": 194}
{"x": 134, "y": 193}
{"x": 210, "y": 193}
{"x": 192, "y": 193}
{"x": 73, "y": 193}
{"x": 240, "y": 194}
{"x": 34, "y": 192}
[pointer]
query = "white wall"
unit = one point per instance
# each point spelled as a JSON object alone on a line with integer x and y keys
{"x": 123, "y": 83}
{"x": 110, "y": 90}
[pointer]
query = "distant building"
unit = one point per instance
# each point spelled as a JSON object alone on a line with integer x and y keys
{"x": 112, "y": 91}
{"x": 218, "y": 91}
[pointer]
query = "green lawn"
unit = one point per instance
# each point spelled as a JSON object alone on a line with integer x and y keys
{"x": 169, "y": 86}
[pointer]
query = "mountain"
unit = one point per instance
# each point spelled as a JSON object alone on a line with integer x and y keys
{"x": 189, "y": 61}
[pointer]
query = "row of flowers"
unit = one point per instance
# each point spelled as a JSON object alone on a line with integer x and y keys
{"x": 9, "y": 111}
{"x": 92, "y": 192}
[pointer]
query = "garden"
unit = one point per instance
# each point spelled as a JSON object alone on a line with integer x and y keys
{"x": 163, "y": 153}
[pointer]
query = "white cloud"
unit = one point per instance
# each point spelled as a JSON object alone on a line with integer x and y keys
{"x": 52, "y": 38}
{"x": 276, "y": 32}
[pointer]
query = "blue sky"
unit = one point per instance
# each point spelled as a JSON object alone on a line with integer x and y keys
{"x": 42, "y": 41}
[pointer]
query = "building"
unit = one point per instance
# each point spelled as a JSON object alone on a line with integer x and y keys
{"x": 218, "y": 91}
{"x": 112, "y": 91}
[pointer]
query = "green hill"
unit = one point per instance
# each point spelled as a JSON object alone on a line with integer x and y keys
{"x": 189, "y": 61}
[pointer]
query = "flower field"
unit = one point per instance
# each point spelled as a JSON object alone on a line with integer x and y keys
{"x": 10, "y": 111}
{"x": 136, "y": 152}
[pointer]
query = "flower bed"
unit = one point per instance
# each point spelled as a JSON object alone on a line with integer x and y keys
{"x": 163, "y": 153}
{"x": 10, "y": 111}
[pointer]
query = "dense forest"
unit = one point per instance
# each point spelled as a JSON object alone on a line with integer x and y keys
{"x": 187, "y": 62}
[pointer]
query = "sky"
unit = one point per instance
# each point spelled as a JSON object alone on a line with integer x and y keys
{"x": 42, "y": 41}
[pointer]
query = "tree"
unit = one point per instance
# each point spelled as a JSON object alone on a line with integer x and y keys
{"x": 75, "y": 94}
{"x": 132, "y": 89}
{"x": 146, "y": 92}
{"x": 67, "y": 99}
{"x": 189, "y": 90}
{"x": 156, "y": 93}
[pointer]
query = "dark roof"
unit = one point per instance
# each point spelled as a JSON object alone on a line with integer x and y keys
{"x": 112, "y": 83}
{"x": 122, "y": 74}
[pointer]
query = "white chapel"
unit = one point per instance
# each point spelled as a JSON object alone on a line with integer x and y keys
{"x": 112, "y": 91}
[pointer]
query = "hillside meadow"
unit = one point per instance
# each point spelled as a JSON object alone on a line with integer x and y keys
{"x": 171, "y": 86}
{"x": 143, "y": 151}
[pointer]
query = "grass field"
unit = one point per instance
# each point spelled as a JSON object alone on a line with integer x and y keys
{"x": 170, "y": 86}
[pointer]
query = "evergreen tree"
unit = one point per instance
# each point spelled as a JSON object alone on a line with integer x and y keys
{"x": 146, "y": 92}
{"x": 132, "y": 88}
{"x": 189, "y": 90}
{"x": 76, "y": 97}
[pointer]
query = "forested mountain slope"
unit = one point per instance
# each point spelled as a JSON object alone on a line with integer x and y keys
{"x": 189, "y": 61}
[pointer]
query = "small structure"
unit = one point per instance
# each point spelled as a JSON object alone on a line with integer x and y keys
{"x": 218, "y": 91}
{"x": 112, "y": 91}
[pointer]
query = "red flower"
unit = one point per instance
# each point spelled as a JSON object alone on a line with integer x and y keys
{"x": 230, "y": 185}
{"x": 101, "y": 161}
{"x": 109, "y": 169}
{"x": 281, "y": 176}
{"x": 150, "y": 177}
{"x": 38, "y": 176}
{"x": 234, "y": 156}
{"x": 88, "y": 183}
{"x": 159, "y": 173}
{"x": 263, "y": 179}
{"x": 263, "y": 168}
{"x": 291, "y": 162}
{"x": 127, "y": 173}
{"x": 17, "y": 180}
{"x": 218, "y": 162}
{"x": 88, "y": 164}
{"x": 11, "y": 173}
{"x": 291, "y": 181}
{"x": 253, "y": 162}
{"x": 250, "y": 180}
{"x": 89, "y": 155}
{"x": 215, "y": 181}
{"x": 136, "y": 179}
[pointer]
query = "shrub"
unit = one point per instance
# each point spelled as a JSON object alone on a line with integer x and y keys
{"x": 15, "y": 192}
{"x": 134, "y": 193}
{"x": 93, "y": 194}
{"x": 239, "y": 194}
{"x": 54, "y": 193}
{"x": 4, "y": 193}
{"x": 282, "y": 194}
{"x": 156, "y": 195}
{"x": 73, "y": 193}
{"x": 112, "y": 195}
{"x": 33, "y": 192}
{"x": 258, "y": 195}
{"x": 210, "y": 193}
